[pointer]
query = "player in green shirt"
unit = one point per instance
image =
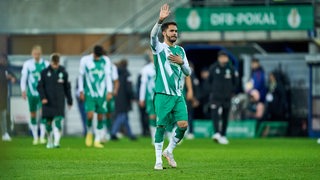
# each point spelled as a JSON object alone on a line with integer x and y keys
{"x": 30, "y": 76}
{"x": 171, "y": 66}
{"x": 95, "y": 87}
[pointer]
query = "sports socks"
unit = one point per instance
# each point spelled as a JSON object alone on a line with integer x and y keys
{"x": 34, "y": 128}
{"x": 89, "y": 126}
{"x": 42, "y": 128}
{"x": 176, "y": 138}
{"x": 99, "y": 131}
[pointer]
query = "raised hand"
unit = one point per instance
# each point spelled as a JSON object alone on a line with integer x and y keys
{"x": 164, "y": 12}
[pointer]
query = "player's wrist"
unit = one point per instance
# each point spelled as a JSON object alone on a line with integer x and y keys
{"x": 160, "y": 21}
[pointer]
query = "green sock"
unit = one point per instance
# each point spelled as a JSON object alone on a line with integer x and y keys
{"x": 48, "y": 125}
{"x": 180, "y": 132}
{"x": 33, "y": 121}
{"x": 159, "y": 134}
{"x": 89, "y": 123}
{"x": 152, "y": 122}
{"x": 100, "y": 124}
{"x": 57, "y": 121}
{"x": 108, "y": 123}
{"x": 43, "y": 121}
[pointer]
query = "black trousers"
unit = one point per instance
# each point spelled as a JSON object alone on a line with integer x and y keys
{"x": 215, "y": 106}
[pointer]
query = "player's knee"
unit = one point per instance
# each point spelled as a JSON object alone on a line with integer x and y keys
{"x": 183, "y": 124}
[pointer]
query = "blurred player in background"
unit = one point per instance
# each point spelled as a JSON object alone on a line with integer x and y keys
{"x": 146, "y": 94}
{"x": 95, "y": 87}
{"x": 54, "y": 87}
{"x": 30, "y": 76}
{"x": 170, "y": 63}
{"x": 6, "y": 76}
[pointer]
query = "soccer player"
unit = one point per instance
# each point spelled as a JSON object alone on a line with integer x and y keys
{"x": 171, "y": 63}
{"x": 54, "y": 88}
{"x": 146, "y": 94}
{"x": 95, "y": 87}
{"x": 111, "y": 103}
{"x": 30, "y": 75}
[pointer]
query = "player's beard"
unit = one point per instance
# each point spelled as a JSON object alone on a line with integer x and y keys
{"x": 171, "y": 39}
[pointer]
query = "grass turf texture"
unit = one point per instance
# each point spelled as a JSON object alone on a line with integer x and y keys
{"x": 197, "y": 159}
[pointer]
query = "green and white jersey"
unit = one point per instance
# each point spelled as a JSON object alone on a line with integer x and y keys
{"x": 169, "y": 76}
{"x": 147, "y": 86}
{"x": 30, "y": 75}
{"x": 95, "y": 76}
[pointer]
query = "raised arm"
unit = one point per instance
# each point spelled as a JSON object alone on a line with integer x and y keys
{"x": 164, "y": 13}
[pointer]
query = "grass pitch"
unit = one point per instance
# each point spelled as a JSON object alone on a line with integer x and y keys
{"x": 275, "y": 158}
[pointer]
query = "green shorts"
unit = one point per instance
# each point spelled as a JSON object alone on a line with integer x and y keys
{"x": 34, "y": 103}
{"x": 166, "y": 104}
{"x": 98, "y": 105}
{"x": 110, "y": 105}
{"x": 150, "y": 107}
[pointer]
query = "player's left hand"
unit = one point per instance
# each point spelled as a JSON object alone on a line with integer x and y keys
{"x": 176, "y": 59}
{"x": 109, "y": 96}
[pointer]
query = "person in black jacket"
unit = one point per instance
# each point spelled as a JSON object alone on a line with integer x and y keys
{"x": 54, "y": 88}
{"x": 123, "y": 101}
{"x": 222, "y": 81}
{"x": 5, "y": 77}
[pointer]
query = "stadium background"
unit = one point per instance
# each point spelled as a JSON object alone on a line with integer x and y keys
{"x": 73, "y": 27}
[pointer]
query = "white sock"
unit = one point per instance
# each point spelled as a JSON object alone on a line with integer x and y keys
{"x": 168, "y": 134}
{"x": 50, "y": 138}
{"x": 34, "y": 130}
{"x": 89, "y": 130}
{"x": 173, "y": 143}
{"x": 42, "y": 130}
{"x": 158, "y": 148}
{"x": 98, "y": 134}
{"x": 57, "y": 136}
{"x": 152, "y": 133}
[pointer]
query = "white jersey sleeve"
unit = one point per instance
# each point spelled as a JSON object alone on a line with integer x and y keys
{"x": 24, "y": 76}
{"x": 185, "y": 67}
{"x": 115, "y": 75}
{"x": 108, "y": 73}
{"x": 81, "y": 74}
{"x": 143, "y": 84}
{"x": 154, "y": 38}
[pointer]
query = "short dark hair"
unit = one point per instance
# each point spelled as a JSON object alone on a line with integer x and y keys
{"x": 55, "y": 58}
{"x": 165, "y": 25}
{"x": 222, "y": 53}
{"x": 255, "y": 60}
{"x": 98, "y": 50}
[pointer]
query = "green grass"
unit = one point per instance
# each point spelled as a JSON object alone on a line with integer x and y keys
{"x": 275, "y": 158}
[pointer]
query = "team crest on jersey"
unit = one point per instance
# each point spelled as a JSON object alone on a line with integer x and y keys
{"x": 49, "y": 74}
{"x": 228, "y": 74}
{"x": 217, "y": 71}
{"x": 60, "y": 75}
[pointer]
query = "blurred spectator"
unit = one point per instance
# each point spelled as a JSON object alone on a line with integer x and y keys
{"x": 258, "y": 79}
{"x": 6, "y": 76}
{"x": 223, "y": 82}
{"x": 275, "y": 99}
{"x": 123, "y": 101}
{"x": 204, "y": 88}
{"x": 255, "y": 108}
